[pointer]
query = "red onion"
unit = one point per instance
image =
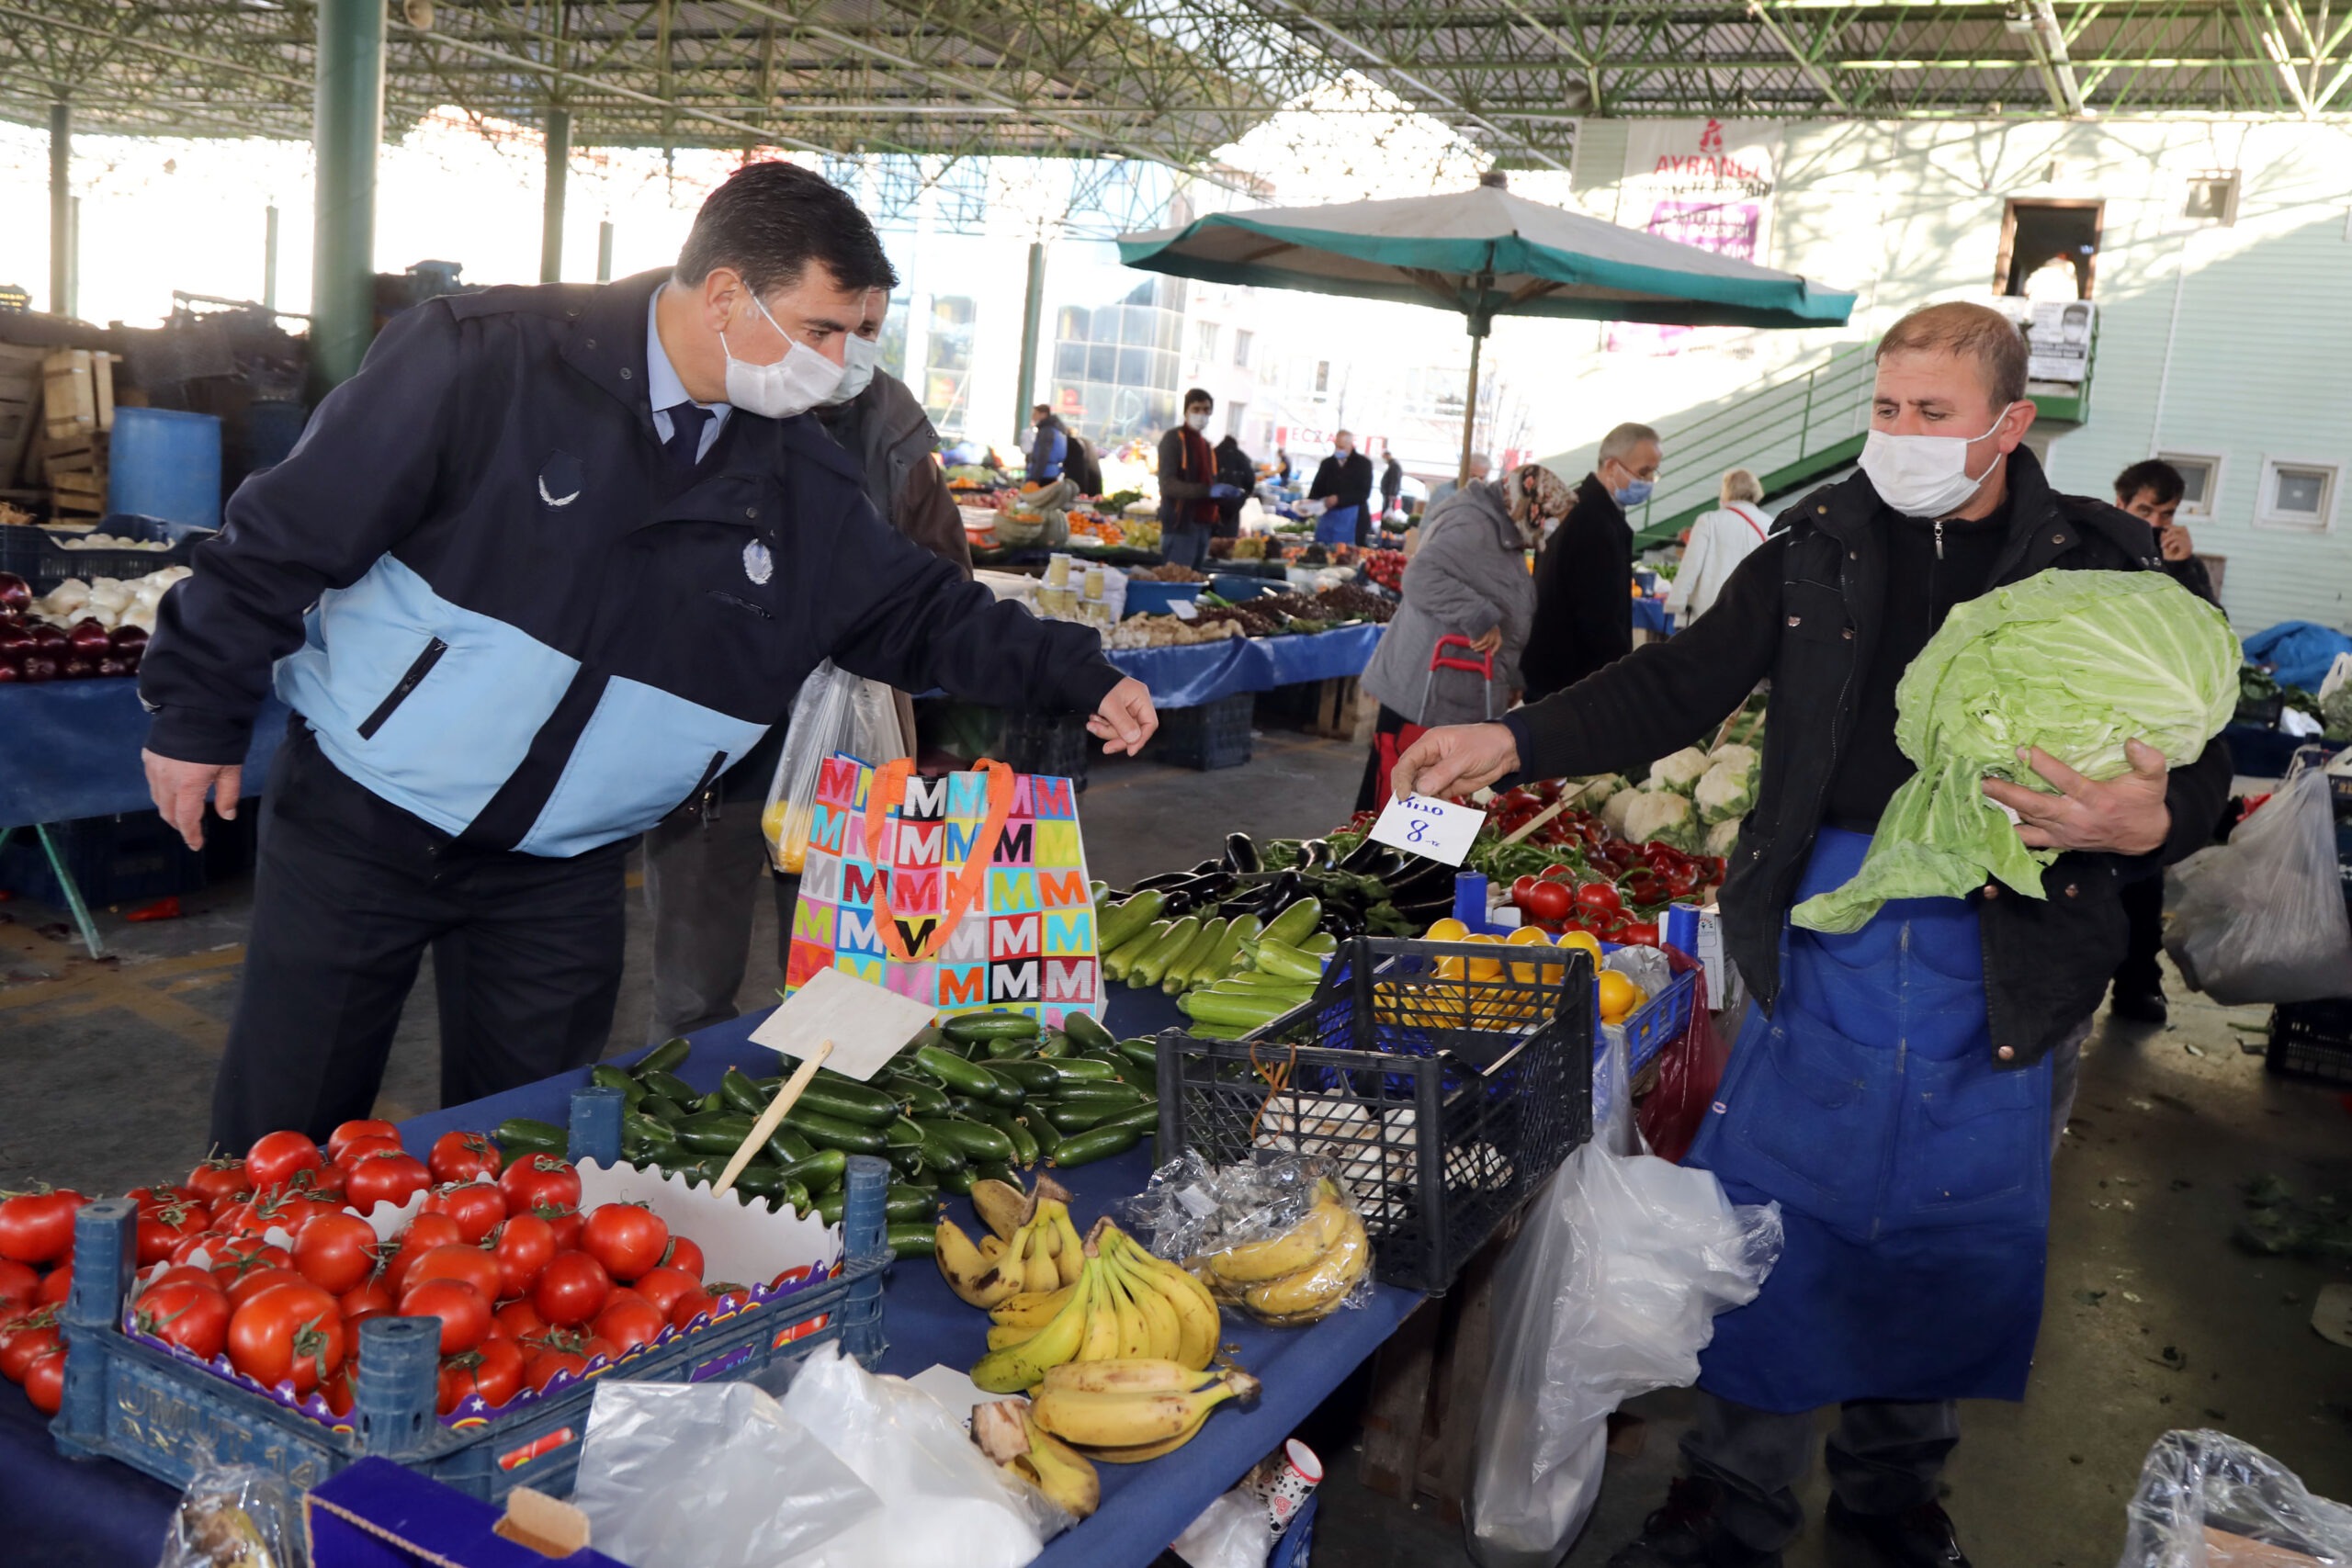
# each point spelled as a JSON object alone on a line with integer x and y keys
{"x": 47, "y": 635}
{"x": 9, "y": 673}
{"x": 110, "y": 665}
{"x": 122, "y": 637}
{"x": 15, "y": 594}
{"x": 39, "y": 667}
{"x": 77, "y": 667}
{"x": 89, "y": 637}
{"x": 14, "y": 638}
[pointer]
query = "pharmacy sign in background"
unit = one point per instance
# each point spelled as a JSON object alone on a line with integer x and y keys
{"x": 1706, "y": 183}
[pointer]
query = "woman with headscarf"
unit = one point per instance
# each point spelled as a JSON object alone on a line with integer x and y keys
{"x": 1469, "y": 579}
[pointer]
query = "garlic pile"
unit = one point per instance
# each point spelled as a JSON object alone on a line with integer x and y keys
{"x": 109, "y": 601}
{"x": 109, "y": 542}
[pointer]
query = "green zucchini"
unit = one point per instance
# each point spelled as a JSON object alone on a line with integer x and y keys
{"x": 1153, "y": 967}
{"x": 1083, "y": 1148}
{"x": 1295, "y": 922}
{"x": 1221, "y": 962}
{"x": 970, "y": 1028}
{"x": 1180, "y": 973}
{"x": 1227, "y": 1007}
{"x": 1119, "y": 961}
{"x": 1127, "y": 917}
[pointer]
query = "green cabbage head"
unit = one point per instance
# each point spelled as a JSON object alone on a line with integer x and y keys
{"x": 2075, "y": 662}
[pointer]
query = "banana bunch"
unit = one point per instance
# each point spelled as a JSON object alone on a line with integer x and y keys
{"x": 1031, "y": 1248}
{"x": 1301, "y": 1275}
{"x": 1007, "y": 1433}
{"x": 1124, "y": 1412}
{"x": 1125, "y": 1304}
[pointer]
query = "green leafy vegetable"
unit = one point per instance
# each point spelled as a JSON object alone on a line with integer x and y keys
{"x": 2075, "y": 662}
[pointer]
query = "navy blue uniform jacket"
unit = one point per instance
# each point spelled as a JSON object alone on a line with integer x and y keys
{"x": 478, "y": 579}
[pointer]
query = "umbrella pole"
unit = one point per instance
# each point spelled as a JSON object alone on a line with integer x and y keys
{"x": 1470, "y": 406}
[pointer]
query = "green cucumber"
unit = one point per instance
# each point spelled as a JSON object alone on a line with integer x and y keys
{"x": 741, "y": 1093}
{"x": 760, "y": 1181}
{"x": 1055, "y": 1043}
{"x": 1124, "y": 918}
{"x": 1153, "y": 967}
{"x": 1083, "y": 1148}
{"x": 958, "y": 1180}
{"x": 1009, "y": 1050}
{"x": 1024, "y": 1143}
{"x": 974, "y": 1140}
{"x": 604, "y": 1074}
{"x": 670, "y": 1085}
{"x": 1083, "y": 1069}
{"x": 996, "y": 1169}
{"x": 965, "y": 1078}
{"x": 829, "y": 1208}
{"x": 784, "y": 1145}
{"x": 529, "y": 1135}
{"x": 661, "y": 1109}
{"x": 972, "y": 1028}
{"x": 1085, "y": 1032}
{"x": 666, "y": 1058}
{"x": 832, "y": 1133}
{"x": 1076, "y": 1116}
{"x": 903, "y": 1134}
{"x": 1009, "y": 1090}
{"x": 1112, "y": 1090}
{"x": 941, "y": 1157}
{"x": 1143, "y": 1051}
{"x": 845, "y": 1099}
{"x": 913, "y": 1094}
{"x": 715, "y": 1131}
{"x": 907, "y": 1162}
{"x": 824, "y": 1169}
{"x": 1294, "y": 923}
{"x": 1041, "y": 1128}
{"x": 1035, "y": 1077}
{"x": 905, "y": 1202}
{"x": 1180, "y": 973}
{"x": 912, "y": 1240}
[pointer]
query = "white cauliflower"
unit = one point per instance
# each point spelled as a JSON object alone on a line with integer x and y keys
{"x": 1679, "y": 771}
{"x": 1726, "y": 794}
{"x": 1734, "y": 755}
{"x": 1657, "y": 814}
{"x": 1721, "y": 838}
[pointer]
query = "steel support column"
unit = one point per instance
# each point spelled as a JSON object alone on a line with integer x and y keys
{"x": 269, "y": 256}
{"x": 605, "y": 250}
{"x": 1033, "y": 311}
{"x": 348, "y": 125}
{"x": 551, "y": 210}
{"x": 61, "y": 207}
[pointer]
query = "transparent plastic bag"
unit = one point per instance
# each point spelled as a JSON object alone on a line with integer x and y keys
{"x": 1610, "y": 1290}
{"x": 835, "y": 711}
{"x": 2207, "y": 1500}
{"x": 1286, "y": 1207}
{"x": 1232, "y": 1532}
{"x": 236, "y": 1516}
{"x": 941, "y": 1500}
{"x": 2262, "y": 917}
{"x": 708, "y": 1476}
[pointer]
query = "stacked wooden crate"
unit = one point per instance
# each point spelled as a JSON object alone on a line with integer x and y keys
{"x": 78, "y": 404}
{"x": 21, "y": 412}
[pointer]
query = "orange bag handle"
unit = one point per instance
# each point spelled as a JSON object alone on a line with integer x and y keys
{"x": 887, "y": 794}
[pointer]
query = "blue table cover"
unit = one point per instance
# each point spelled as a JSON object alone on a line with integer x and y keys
{"x": 71, "y": 751}
{"x": 1204, "y": 672}
{"x": 1649, "y": 615}
{"x": 102, "y": 1513}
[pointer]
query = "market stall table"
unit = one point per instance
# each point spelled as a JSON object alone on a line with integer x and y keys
{"x": 1649, "y": 615}
{"x": 102, "y": 1514}
{"x": 1207, "y": 672}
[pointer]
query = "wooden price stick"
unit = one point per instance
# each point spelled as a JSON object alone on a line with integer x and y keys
{"x": 773, "y": 1117}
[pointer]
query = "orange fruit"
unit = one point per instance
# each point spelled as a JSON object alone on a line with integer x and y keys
{"x": 1619, "y": 997}
{"x": 1446, "y": 929}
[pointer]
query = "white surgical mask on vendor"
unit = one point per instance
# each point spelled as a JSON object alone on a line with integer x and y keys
{"x": 1197, "y": 419}
{"x": 865, "y": 357}
{"x": 1924, "y": 476}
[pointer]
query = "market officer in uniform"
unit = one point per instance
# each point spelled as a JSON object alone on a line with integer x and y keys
{"x": 1886, "y": 1300}
{"x": 523, "y": 615}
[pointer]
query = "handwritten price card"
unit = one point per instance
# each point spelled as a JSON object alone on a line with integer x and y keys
{"x": 1438, "y": 830}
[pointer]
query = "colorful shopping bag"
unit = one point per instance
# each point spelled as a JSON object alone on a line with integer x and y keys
{"x": 968, "y": 890}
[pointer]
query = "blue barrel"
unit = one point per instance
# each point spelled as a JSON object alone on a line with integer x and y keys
{"x": 165, "y": 464}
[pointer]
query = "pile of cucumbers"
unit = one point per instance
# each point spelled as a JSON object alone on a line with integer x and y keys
{"x": 982, "y": 1095}
{"x": 1230, "y": 975}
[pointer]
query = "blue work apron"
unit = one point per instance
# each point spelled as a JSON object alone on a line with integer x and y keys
{"x": 1338, "y": 526}
{"x": 1913, "y": 1177}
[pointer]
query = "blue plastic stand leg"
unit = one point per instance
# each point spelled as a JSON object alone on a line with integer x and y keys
{"x": 392, "y": 1398}
{"x": 103, "y": 1263}
{"x": 865, "y": 1239}
{"x": 595, "y": 1125}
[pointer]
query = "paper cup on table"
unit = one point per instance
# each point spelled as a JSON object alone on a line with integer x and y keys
{"x": 1284, "y": 1481}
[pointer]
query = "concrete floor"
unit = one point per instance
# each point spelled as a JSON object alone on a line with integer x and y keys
{"x": 2153, "y": 1320}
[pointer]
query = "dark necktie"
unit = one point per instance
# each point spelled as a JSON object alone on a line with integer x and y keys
{"x": 685, "y": 445}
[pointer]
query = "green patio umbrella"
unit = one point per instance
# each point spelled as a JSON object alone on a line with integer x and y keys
{"x": 1485, "y": 253}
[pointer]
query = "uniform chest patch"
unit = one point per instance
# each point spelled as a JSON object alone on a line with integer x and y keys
{"x": 758, "y": 564}
{"x": 560, "y": 478}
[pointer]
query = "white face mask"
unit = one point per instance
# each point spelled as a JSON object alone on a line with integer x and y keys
{"x": 1924, "y": 476}
{"x": 795, "y": 384}
{"x": 864, "y": 357}
{"x": 1197, "y": 421}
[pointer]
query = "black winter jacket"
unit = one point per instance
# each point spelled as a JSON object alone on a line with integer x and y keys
{"x": 1584, "y": 595}
{"x": 1807, "y": 610}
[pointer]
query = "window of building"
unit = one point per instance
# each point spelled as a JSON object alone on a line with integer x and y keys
{"x": 2296, "y": 494}
{"x": 1322, "y": 377}
{"x": 1234, "y": 414}
{"x": 1204, "y": 335}
{"x": 2213, "y": 199}
{"x": 2049, "y": 249}
{"x": 2201, "y": 483}
{"x": 1242, "y": 349}
{"x": 893, "y": 341}
{"x": 948, "y": 361}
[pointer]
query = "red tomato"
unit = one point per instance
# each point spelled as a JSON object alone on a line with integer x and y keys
{"x": 547, "y": 1361}
{"x": 491, "y": 1370}
{"x": 276, "y": 1156}
{"x": 728, "y": 1295}
{"x": 37, "y": 1227}
{"x": 335, "y": 1251}
{"x": 1519, "y": 888}
{"x": 1640, "y": 933}
{"x": 155, "y": 1200}
{"x": 367, "y": 1128}
{"x": 461, "y": 1157}
{"x": 522, "y": 1245}
{"x": 232, "y": 1261}
{"x": 571, "y": 1290}
{"x": 24, "y": 1339}
{"x": 183, "y": 1312}
{"x": 521, "y": 1320}
{"x": 177, "y": 1272}
{"x": 56, "y": 1285}
{"x": 1548, "y": 901}
{"x": 539, "y": 1180}
{"x": 424, "y": 1234}
{"x": 1598, "y": 898}
{"x": 251, "y": 1285}
{"x": 690, "y": 1304}
{"x": 626, "y": 1238}
{"x": 385, "y": 1179}
{"x": 338, "y": 1391}
{"x": 628, "y": 1320}
{"x": 187, "y": 1246}
{"x": 218, "y": 1180}
{"x": 664, "y": 1286}
{"x": 373, "y": 1299}
{"x": 457, "y": 1261}
{"x": 477, "y": 1206}
{"x": 44, "y": 1382}
{"x": 368, "y": 1143}
{"x": 1557, "y": 874}
{"x": 562, "y": 1219}
{"x": 293, "y": 1333}
{"x": 465, "y": 1316}
{"x": 165, "y": 1229}
{"x": 18, "y": 1286}
{"x": 685, "y": 1255}
{"x": 324, "y": 1184}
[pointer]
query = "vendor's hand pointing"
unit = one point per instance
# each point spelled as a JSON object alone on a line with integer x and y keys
{"x": 1125, "y": 720}
{"x": 2123, "y": 815}
{"x": 180, "y": 789}
{"x": 1455, "y": 760}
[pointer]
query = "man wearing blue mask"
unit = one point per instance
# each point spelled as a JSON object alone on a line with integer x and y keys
{"x": 1899, "y": 1090}
{"x": 534, "y": 578}
{"x": 1584, "y": 579}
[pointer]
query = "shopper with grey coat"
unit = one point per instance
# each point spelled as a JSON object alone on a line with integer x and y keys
{"x": 1470, "y": 580}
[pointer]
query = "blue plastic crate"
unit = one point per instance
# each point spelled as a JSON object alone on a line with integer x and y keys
{"x": 1146, "y": 597}
{"x": 165, "y": 1416}
{"x": 36, "y": 555}
{"x": 127, "y": 859}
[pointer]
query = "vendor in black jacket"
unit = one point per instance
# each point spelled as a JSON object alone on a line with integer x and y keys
{"x": 1584, "y": 578}
{"x": 1343, "y": 482}
{"x": 1894, "y": 1090}
{"x": 532, "y": 579}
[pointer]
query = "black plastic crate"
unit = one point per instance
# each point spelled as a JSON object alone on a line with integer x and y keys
{"x": 1214, "y": 735}
{"x": 114, "y": 860}
{"x": 1398, "y": 1043}
{"x": 35, "y": 554}
{"x": 2312, "y": 1040}
{"x": 1050, "y": 745}
{"x": 2261, "y": 711}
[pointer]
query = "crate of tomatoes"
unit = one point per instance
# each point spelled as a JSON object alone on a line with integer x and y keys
{"x": 301, "y": 1308}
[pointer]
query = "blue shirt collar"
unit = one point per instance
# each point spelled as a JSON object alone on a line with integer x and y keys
{"x": 662, "y": 387}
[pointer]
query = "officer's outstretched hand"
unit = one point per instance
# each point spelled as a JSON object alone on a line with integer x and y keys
{"x": 180, "y": 789}
{"x": 1125, "y": 720}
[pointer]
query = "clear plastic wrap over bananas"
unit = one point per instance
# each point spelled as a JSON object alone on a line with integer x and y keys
{"x": 1279, "y": 1237}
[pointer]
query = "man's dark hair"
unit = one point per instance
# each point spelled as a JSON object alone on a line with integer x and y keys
{"x": 2154, "y": 474}
{"x": 771, "y": 219}
{"x": 1196, "y": 395}
{"x": 1045, "y": 409}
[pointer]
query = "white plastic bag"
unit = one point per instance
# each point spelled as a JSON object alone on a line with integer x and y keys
{"x": 1232, "y": 1532}
{"x": 2207, "y": 1500}
{"x": 835, "y": 711}
{"x": 1610, "y": 1289}
{"x": 2261, "y": 918}
{"x": 943, "y": 1502}
{"x": 708, "y": 1476}
{"x": 235, "y": 1514}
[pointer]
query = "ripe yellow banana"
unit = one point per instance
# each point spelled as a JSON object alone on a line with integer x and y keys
{"x": 1101, "y": 1340}
{"x": 1135, "y": 1337}
{"x": 1032, "y": 1310}
{"x": 1002, "y": 1206}
{"x": 1156, "y": 1376}
{"x": 1071, "y": 1257}
{"x": 1123, "y": 1420}
{"x": 1285, "y": 1254}
{"x": 1160, "y": 1325}
{"x": 1017, "y": 1367}
{"x": 1196, "y": 1311}
{"x": 973, "y": 1277}
{"x": 1315, "y": 1290}
{"x": 992, "y": 1247}
{"x": 1061, "y": 1471}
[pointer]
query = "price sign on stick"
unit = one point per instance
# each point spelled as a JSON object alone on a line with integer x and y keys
{"x": 1438, "y": 830}
{"x": 838, "y": 1021}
